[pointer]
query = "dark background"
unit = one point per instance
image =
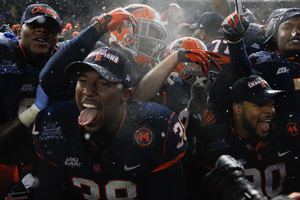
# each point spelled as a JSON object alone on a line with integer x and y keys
{"x": 81, "y": 11}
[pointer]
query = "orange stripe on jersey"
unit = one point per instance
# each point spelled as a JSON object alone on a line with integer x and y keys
{"x": 42, "y": 156}
{"x": 167, "y": 134}
{"x": 122, "y": 120}
{"x": 170, "y": 163}
{"x": 22, "y": 50}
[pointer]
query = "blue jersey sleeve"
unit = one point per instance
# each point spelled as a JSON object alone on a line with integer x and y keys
{"x": 239, "y": 60}
{"x": 53, "y": 80}
{"x": 172, "y": 185}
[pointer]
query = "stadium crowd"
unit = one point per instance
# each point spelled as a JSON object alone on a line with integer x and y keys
{"x": 137, "y": 102}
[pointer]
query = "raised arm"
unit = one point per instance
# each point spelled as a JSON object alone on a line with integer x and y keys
{"x": 233, "y": 30}
{"x": 155, "y": 78}
{"x": 153, "y": 81}
{"x": 53, "y": 80}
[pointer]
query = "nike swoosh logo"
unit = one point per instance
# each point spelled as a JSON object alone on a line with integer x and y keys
{"x": 131, "y": 168}
{"x": 284, "y": 153}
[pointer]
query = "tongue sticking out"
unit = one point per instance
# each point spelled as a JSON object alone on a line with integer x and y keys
{"x": 87, "y": 116}
{"x": 264, "y": 126}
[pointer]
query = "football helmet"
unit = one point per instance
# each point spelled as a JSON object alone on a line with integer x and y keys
{"x": 188, "y": 71}
{"x": 146, "y": 46}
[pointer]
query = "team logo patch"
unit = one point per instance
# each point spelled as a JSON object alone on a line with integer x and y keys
{"x": 51, "y": 131}
{"x": 297, "y": 83}
{"x": 72, "y": 162}
{"x": 292, "y": 129}
{"x": 143, "y": 136}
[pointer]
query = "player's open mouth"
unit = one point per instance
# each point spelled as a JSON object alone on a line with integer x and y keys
{"x": 41, "y": 40}
{"x": 89, "y": 115}
{"x": 295, "y": 40}
{"x": 264, "y": 125}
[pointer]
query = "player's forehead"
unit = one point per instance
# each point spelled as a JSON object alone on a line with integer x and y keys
{"x": 292, "y": 21}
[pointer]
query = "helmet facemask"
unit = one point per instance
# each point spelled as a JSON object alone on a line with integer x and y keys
{"x": 196, "y": 77}
{"x": 150, "y": 35}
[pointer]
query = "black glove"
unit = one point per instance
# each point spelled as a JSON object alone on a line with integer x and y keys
{"x": 234, "y": 27}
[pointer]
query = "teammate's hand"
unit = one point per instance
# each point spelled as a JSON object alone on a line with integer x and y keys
{"x": 116, "y": 19}
{"x": 42, "y": 99}
{"x": 208, "y": 118}
{"x": 234, "y": 27}
{"x": 203, "y": 58}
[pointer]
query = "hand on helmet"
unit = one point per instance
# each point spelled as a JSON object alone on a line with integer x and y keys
{"x": 234, "y": 27}
{"x": 116, "y": 19}
{"x": 207, "y": 118}
{"x": 201, "y": 57}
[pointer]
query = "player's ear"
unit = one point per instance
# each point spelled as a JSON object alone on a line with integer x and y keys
{"x": 19, "y": 33}
{"x": 236, "y": 107}
{"x": 202, "y": 35}
{"x": 126, "y": 94}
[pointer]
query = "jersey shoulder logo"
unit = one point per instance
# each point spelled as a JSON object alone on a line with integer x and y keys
{"x": 292, "y": 129}
{"x": 282, "y": 70}
{"x": 143, "y": 136}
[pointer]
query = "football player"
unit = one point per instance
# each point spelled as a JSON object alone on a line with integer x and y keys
{"x": 144, "y": 48}
{"x": 104, "y": 146}
{"x": 20, "y": 64}
{"x": 270, "y": 161}
{"x": 182, "y": 79}
{"x": 279, "y": 66}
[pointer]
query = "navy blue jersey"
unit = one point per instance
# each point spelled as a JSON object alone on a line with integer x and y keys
{"x": 139, "y": 161}
{"x": 281, "y": 73}
{"x": 272, "y": 166}
{"x": 225, "y": 79}
{"x": 59, "y": 85}
{"x": 219, "y": 45}
{"x": 18, "y": 80}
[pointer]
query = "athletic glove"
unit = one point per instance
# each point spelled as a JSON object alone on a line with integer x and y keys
{"x": 42, "y": 100}
{"x": 208, "y": 118}
{"x": 203, "y": 58}
{"x": 116, "y": 19}
{"x": 234, "y": 27}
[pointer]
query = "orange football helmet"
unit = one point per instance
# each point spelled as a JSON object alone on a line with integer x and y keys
{"x": 146, "y": 46}
{"x": 188, "y": 71}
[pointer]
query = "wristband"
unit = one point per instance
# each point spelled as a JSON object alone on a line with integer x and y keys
{"x": 235, "y": 42}
{"x": 28, "y": 116}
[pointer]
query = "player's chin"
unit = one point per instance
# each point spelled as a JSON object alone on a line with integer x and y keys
{"x": 42, "y": 50}
{"x": 262, "y": 134}
{"x": 92, "y": 129}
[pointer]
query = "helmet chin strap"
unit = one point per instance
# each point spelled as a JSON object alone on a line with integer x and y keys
{"x": 175, "y": 74}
